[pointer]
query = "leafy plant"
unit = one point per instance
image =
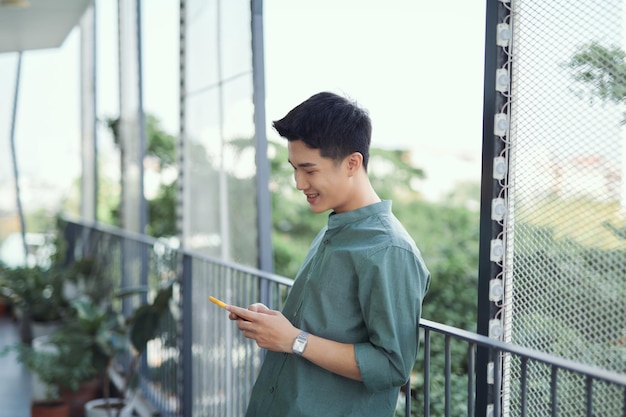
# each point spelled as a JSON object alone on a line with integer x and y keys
{"x": 80, "y": 350}
{"x": 37, "y": 291}
{"x": 54, "y": 367}
{"x": 114, "y": 335}
{"x": 92, "y": 338}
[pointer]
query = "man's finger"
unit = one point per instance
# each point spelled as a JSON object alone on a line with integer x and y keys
{"x": 258, "y": 307}
{"x": 242, "y": 312}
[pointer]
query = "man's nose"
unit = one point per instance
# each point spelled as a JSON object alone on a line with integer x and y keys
{"x": 301, "y": 183}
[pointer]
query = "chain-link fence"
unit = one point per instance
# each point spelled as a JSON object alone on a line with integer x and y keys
{"x": 564, "y": 267}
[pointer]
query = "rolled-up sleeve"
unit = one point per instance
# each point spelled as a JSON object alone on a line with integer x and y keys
{"x": 392, "y": 285}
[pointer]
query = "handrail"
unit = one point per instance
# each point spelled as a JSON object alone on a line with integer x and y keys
{"x": 536, "y": 355}
{"x": 149, "y": 240}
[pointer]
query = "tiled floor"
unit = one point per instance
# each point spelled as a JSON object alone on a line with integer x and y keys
{"x": 14, "y": 379}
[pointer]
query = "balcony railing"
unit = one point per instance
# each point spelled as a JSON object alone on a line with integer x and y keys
{"x": 202, "y": 366}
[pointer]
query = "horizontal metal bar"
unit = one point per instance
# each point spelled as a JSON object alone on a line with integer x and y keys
{"x": 151, "y": 241}
{"x": 536, "y": 355}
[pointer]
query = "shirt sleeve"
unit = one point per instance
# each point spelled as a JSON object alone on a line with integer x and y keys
{"x": 392, "y": 285}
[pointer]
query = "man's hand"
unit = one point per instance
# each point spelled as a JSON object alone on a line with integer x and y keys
{"x": 269, "y": 328}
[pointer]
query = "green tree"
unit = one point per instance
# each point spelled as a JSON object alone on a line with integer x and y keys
{"x": 601, "y": 71}
{"x": 161, "y": 146}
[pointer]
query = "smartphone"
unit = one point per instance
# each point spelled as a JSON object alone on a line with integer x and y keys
{"x": 221, "y": 304}
{"x": 217, "y": 301}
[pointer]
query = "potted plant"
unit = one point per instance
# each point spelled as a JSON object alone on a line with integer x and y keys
{"x": 55, "y": 369}
{"x": 92, "y": 334}
{"x": 50, "y": 408}
{"x": 4, "y": 305}
{"x": 138, "y": 329}
{"x": 37, "y": 294}
{"x": 68, "y": 365}
{"x": 67, "y": 361}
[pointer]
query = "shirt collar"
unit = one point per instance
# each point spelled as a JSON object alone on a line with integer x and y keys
{"x": 340, "y": 219}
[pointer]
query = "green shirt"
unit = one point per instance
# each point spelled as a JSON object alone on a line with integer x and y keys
{"x": 362, "y": 283}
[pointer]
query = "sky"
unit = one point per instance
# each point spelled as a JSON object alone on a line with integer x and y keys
{"x": 415, "y": 65}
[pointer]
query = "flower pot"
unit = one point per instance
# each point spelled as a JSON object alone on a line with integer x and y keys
{"x": 118, "y": 408}
{"x": 43, "y": 328}
{"x": 39, "y": 389}
{"x": 88, "y": 390}
{"x": 49, "y": 408}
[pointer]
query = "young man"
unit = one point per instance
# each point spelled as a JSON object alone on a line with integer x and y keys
{"x": 347, "y": 337}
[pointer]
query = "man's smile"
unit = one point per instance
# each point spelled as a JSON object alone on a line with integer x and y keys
{"x": 311, "y": 197}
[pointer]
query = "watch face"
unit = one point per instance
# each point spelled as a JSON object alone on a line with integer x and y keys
{"x": 299, "y": 345}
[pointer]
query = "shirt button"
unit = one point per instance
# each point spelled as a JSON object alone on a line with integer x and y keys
{"x": 271, "y": 390}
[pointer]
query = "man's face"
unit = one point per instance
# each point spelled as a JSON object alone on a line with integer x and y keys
{"x": 325, "y": 184}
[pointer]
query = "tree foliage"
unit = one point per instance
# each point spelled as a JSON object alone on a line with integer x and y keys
{"x": 161, "y": 147}
{"x": 602, "y": 71}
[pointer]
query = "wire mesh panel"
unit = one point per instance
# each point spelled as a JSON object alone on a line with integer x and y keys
{"x": 565, "y": 275}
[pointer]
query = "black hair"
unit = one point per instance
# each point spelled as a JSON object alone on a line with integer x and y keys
{"x": 331, "y": 123}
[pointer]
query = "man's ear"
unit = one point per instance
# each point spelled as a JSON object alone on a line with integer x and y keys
{"x": 355, "y": 161}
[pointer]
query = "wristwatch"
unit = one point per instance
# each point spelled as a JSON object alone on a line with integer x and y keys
{"x": 299, "y": 344}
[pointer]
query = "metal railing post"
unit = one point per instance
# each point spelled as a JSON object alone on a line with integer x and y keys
{"x": 187, "y": 336}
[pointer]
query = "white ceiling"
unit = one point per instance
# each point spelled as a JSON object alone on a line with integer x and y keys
{"x": 41, "y": 24}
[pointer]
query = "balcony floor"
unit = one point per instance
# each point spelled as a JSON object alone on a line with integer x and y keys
{"x": 15, "y": 379}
